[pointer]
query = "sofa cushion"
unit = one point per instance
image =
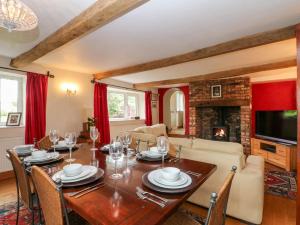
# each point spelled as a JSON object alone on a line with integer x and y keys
{"x": 220, "y": 146}
{"x": 184, "y": 142}
{"x": 159, "y": 130}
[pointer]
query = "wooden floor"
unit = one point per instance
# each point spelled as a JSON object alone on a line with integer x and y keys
{"x": 277, "y": 210}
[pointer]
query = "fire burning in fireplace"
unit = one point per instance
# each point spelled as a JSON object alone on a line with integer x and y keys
{"x": 220, "y": 133}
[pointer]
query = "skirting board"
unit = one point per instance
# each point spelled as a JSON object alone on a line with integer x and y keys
{"x": 6, "y": 175}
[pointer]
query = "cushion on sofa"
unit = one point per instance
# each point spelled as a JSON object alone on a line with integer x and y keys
{"x": 159, "y": 130}
{"x": 184, "y": 142}
{"x": 220, "y": 146}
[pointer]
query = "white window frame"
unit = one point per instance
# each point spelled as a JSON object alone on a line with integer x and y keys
{"x": 126, "y": 107}
{"x": 21, "y": 93}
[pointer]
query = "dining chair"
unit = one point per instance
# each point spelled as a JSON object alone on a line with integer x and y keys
{"x": 52, "y": 200}
{"x": 25, "y": 189}
{"x": 216, "y": 212}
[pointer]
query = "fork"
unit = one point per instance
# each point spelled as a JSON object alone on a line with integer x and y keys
{"x": 149, "y": 193}
{"x": 143, "y": 197}
{"x": 71, "y": 194}
{"x": 193, "y": 173}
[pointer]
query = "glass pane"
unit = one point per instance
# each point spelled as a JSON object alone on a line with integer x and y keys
{"x": 9, "y": 98}
{"x": 116, "y": 105}
{"x": 132, "y": 107}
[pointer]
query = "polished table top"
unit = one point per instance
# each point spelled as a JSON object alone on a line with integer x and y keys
{"x": 116, "y": 202}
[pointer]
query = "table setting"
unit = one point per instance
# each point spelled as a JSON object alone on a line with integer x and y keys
{"x": 41, "y": 157}
{"x": 23, "y": 150}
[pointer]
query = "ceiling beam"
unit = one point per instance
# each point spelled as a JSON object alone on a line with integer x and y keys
{"x": 225, "y": 47}
{"x": 97, "y": 15}
{"x": 222, "y": 74}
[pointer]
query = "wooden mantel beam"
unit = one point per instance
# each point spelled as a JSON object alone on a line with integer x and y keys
{"x": 97, "y": 15}
{"x": 226, "y": 47}
{"x": 222, "y": 74}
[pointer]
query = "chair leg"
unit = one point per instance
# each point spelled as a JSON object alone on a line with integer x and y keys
{"x": 32, "y": 216}
{"x": 18, "y": 209}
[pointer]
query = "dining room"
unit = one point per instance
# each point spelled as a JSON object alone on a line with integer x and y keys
{"x": 130, "y": 112}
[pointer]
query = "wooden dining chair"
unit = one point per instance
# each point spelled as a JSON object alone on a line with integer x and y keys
{"x": 52, "y": 200}
{"x": 217, "y": 210}
{"x": 25, "y": 190}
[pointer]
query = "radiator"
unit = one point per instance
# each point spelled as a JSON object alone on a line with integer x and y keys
{"x": 8, "y": 143}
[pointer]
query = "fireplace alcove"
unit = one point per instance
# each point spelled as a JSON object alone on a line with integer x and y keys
{"x": 221, "y": 123}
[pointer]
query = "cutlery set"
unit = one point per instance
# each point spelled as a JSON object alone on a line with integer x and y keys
{"x": 144, "y": 195}
{"x": 192, "y": 173}
{"x": 78, "y": 194}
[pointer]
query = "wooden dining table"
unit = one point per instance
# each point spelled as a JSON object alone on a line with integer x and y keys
{"x": 116, "y": 203}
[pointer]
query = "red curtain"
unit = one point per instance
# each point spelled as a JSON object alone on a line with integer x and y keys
{"x": 101, "y": 112}
{"x": 148, "y": 110}
{"x": 36, "y": 100}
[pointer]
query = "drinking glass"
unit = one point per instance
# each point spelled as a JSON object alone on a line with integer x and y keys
{"x": 70, "y": 139}
{"x": 162, "y": 148}
{"x": 115, "y": 152}
{"x": 127, "y": 139}
{"x": 53, "y": 136}
{"x": 94, "y": 134}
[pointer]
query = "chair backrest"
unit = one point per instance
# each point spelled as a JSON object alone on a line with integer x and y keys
{"x": 22, "y": 178}
{"x": 218, "y": 202}
{"x": 45, "y": 143}
{"x": 50, "y": 197}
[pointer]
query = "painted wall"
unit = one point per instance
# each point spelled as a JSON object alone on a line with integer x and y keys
{"x": 273, "y": 96}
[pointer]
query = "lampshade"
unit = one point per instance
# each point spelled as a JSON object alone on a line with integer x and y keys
{"x": 15, "y": 15}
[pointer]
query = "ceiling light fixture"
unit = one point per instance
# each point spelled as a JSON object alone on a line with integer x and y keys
{"x": 15, "y": 15}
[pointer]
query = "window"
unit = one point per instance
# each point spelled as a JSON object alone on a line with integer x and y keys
{"x": 11, "y": 95}
{"x": 123, "y": 104}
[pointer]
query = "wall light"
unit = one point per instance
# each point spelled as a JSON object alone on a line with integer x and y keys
{"x": 69, "y": 88}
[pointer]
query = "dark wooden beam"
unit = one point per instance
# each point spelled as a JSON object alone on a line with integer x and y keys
{"x": 298, "y": 127}
{"x": 97, "y": 15}
{"x": 222, "y": 74}
{"x": 226, "y": 47}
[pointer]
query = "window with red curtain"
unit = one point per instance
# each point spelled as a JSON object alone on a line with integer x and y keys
{"x": 36, "y": 100}
{"x": 101, "y": 112}
{"x": 148, "y": 110}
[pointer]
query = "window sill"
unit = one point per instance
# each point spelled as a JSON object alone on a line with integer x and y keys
{"x": 8, "y": 127}
{"x": 126, "y": 121}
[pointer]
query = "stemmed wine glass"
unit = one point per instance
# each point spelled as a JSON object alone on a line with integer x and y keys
{"x": 94, "y": 134}
{"x": 115, "y": 152}
{"x": 162, "y": 148}
{"x": 70, "y": 139}
{"x": 53, "y": 136}
{"x": 127, "y": 139}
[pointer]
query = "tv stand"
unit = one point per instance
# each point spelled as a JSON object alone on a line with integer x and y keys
{"x": 278, "y": 154}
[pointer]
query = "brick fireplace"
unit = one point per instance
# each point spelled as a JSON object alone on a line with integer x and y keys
{"x": 227, "y": 118}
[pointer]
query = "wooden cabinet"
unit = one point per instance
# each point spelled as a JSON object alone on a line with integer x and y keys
{"x": 281, "y": 155}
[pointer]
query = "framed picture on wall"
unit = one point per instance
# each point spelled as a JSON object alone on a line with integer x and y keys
{"x": 216, "y": 91}
{"x": 154, "y": 97}
{"x": 13, "y": 119}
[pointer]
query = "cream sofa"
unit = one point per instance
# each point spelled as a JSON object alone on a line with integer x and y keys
{"x": 246, "y": 198}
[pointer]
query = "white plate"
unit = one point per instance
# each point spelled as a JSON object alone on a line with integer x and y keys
{"x": 152, "y": 154}
{"x": 92, "y": 171}
{"x": 181, "y": 181}
{"x": 86, "y": 170}
{"x": 49, "y": 156}
{"x": 23, "y": 148}
{"x": 153, "y": 174}
{"x": 59, "y": 146}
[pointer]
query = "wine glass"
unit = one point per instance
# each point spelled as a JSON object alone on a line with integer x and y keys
{"x": 94, "y": 134}
{"x": 115, "y": 152}
{"x": 70, "y": 139}
{"x": 127, "y": 139}
{"x": 162, "y": 148}
{"x": 53, "y": 137}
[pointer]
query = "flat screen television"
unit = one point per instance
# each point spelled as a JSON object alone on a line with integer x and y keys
{"x": 278, "y": 126}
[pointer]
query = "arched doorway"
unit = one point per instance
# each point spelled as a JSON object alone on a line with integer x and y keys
{"x": 174, "y": 111}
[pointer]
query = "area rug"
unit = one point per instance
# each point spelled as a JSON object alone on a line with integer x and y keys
{"x": 281, "y": 183}
{"x": 8, "y": 214}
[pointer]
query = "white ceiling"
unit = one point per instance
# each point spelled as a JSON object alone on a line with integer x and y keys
{"x": 51, "y": 14}
{"x": 163, "y": 28}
